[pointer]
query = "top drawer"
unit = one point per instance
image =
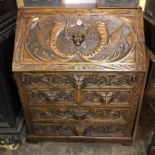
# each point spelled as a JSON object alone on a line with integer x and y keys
{"x": 84, "y": 80}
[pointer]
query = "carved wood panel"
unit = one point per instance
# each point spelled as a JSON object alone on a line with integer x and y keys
{"x": 59, "y": 39}
{"x": 80, "y": 130}
{"x": 79, "y": 114}
{"x": 80, "y": 39}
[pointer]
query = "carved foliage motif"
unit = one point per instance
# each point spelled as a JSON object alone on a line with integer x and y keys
{"x": 117, "y": 97}
{"x": 86, "y": 80}
{"x": 79, "y": 114}
{"x": 45, "y": 79}
{"x": 80, "y": 39}
{"x": 79, "y": 130}
{"x": 51, "y": 96}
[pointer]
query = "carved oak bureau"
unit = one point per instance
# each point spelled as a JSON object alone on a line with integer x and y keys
{"x": 80, "y": 72}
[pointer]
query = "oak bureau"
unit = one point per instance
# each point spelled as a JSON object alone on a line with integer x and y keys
{"x": 80, "y": 72}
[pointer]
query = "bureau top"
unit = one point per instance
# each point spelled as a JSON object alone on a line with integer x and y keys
{"x": 52, "y": 39}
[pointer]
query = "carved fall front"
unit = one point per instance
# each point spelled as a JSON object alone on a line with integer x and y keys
{"x": 80, "y": 39}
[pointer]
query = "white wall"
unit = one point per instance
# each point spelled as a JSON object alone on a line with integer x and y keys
{"x": 79, "y": 1}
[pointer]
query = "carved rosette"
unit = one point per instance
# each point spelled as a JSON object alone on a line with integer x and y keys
{"x": 80, "y": 39}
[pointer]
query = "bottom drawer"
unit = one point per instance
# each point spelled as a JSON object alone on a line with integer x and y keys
{"x": 96, "y": 130}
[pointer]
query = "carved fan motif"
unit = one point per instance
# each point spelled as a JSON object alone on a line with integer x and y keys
{"x": 83, "y": 39}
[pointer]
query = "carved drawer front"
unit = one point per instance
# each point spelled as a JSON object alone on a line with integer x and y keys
{"x": 82, "y": 80}
{"x": 79, "y": 115}
{"x": 81, "y": 130}
{"x": 48, "y": 79}
{"x": 50, "y": 96}
{"x": 107, "y": 98}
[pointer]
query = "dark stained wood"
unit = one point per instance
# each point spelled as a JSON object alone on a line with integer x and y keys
{"x": 81, "y": 76}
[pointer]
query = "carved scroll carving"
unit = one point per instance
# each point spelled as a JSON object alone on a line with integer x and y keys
{"x": 80, "y": 39}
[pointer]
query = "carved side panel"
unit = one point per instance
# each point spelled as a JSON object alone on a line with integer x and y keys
{"x": 79, "y": 114}
{"x": 50, "y": 96}
{"x": 79, "y": 130}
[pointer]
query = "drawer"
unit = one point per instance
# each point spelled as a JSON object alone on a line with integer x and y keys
{"x": 51, "y": 96}
{"x": 80, "y": 115}
{"x": 55, "y": 80}
{"x": 81, "y": 130}
{"x": 108, "y": 98}
{"x": 84, "y": 80}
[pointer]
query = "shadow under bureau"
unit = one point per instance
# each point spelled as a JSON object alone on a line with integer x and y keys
{"x": 80, "y": 72}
